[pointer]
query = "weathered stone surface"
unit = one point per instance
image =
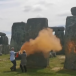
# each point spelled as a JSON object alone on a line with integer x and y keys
{"x": 59, "y": 32}
{"x": 2, "y": 34}
{"x": 18, "y": 35}
{"x": 4, "y": 40}
{"x": 34, "y": 25}
{"x": 73, "y": 11}
{"x": 60, "y": 35}
{"x": 37, "y": 60}
{"x": 0, "y": 50}
{"x": 70, "y": 21}
{"x": 70, "y": 43}
{"x": 5, "y": 46}
{"x": 4, "y": 43}
{"x": 5, "y": 49}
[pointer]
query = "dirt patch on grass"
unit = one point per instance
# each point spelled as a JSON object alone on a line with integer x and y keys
{"x": 0, "y": 59}
{"x": 3, "y": 59}
{"x": 57, "y": 68}
{"x": 61, "y": 57}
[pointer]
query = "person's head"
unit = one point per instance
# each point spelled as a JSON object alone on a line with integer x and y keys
{"x": 12, "y": 48}
{"x": 51, "y": 50}
{"x": 24, "y": 51}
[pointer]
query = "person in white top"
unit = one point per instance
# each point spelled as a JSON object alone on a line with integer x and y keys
{"x": 12, "y": 59}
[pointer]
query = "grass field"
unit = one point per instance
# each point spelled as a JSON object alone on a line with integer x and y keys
{"x": 55, "y": 68}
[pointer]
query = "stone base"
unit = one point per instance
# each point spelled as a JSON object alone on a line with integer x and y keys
{"x": 37, "y": 60}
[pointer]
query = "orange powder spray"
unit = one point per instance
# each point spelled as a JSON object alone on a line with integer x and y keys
{"x": 44, "y": 42}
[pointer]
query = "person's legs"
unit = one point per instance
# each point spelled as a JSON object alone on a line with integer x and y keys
{"x": 11, "y": 68}
{"x": 21, "y": 67}
{"x": 14, "y": 65}
{"x": 25, "y": 68}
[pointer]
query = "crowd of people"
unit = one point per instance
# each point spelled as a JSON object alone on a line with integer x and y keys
{"x": 23, "y": 60}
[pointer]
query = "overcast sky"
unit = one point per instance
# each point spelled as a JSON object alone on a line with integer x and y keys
{"x": 20, "y": 10}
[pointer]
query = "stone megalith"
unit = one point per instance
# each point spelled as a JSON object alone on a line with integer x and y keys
{"x": 4, "y": 43}
{"x": 18, "y": 35}
{"x": 73, "y": 11}
{"x": 4, "y": 40}
{"x": 70, "y": 61}
{"x": 70, "y": 42}
{"x": 37, "y": 60}
{"x": 59, "y": 32}
{"x": 0, "y": 49}
{"x": 34, "y": 25}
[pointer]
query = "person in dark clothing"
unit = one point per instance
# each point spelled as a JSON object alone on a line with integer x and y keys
{"x": 23, "y": 68}
{"x": 23, "y": 62}
{"x": 13, "y": 68}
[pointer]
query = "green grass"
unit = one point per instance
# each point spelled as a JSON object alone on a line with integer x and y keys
{"x": 55, "y": 68}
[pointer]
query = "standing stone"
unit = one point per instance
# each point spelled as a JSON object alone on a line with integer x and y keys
{"x": 59, "y": 32}
{"x": 37, "y": 60}
{"x": 18, "y": 35}
{"x": 4, "y": 47}
{"x": 70, "y": 42}
{"x": 60, "y": 35}
{"x": 34, "y": 25}
{"x": 4, "y": 40}
{"x": 0, "y": 49}
{"x": 70, "y": 61}
{"x": 73, "y": 11}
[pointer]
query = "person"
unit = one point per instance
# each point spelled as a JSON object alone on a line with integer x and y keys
{"x": 23, "y": 61}
{"x": 52, "y": 53}
{"x": 12, "y": 59}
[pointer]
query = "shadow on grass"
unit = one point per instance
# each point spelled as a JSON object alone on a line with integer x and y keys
{"x": 31, "y": 72}
{"x": 62, "y": 63}
{"x": 17, "y": 70}
{"x": 34, "y": 71}
{"x": 66, "y": 71}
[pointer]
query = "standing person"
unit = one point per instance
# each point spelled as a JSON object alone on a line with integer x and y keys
{"x": 23, "y": 62}
{"x": 12, "y": 59}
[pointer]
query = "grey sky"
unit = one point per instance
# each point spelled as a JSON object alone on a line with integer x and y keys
{"x": 20, "y": 10}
